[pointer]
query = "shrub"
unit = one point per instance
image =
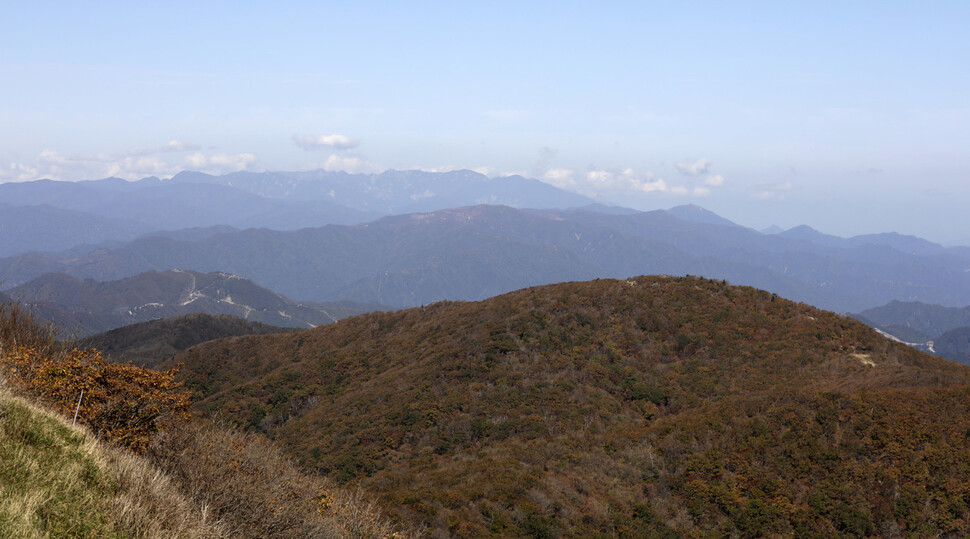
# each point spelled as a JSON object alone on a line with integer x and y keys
{"x": 121, "y": 403}
{"x": 255, "y": 491}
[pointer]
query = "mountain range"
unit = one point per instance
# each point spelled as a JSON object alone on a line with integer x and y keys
{"x": 49, "y": 216}
{"x": 494, "y": 403}
{"x": 85, "y": 307}
{"x": 472, "y": 253}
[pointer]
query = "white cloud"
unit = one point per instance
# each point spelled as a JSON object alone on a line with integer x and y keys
{"x": 196, "y": 161}
{"x": 701, "y": 191}
{"x": 772, "y": 191}
{"x": 139, "y": 167}
{"x": 18, "y": 172}
{"x": 714, "y": 180}
{"x": 50, "y": 164}
{"x": 695, "y": 167}
{"x": 546, "y": 156}
{"x": 600, "y": 184}
{"x": 560, "y": 177}
{"x": 484, "y": 171}
{"x": 353, "y": 165}
{"x": 180, "y": 146}
{"x": 133, "y": 164}
{"x": 439, "y": 169}
{"x": 317, "y": 142}
{"x": 220, "y": 163}
{"x": 239, "y": 161}
{"x": 625, "y": 180}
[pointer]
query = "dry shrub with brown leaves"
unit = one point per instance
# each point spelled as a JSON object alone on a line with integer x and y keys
{"x": 121, "y": 403}
{"x": 252, "y": 488}
{"x": 19, "y": 328}
{"x": 242, "y": 482}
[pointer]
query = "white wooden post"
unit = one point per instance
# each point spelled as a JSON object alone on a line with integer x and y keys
{"x": 78, "y": 409}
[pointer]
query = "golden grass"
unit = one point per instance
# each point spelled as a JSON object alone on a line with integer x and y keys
{"x": 57, "y": 480}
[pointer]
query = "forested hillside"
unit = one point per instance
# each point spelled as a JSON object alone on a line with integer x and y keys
{"x": 633, "y": 407}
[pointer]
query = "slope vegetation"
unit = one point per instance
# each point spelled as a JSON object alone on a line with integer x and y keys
{"x": 87, "y": 307}
{"x": 176, "y": 479}
{"x": 636, "y": 407}
{"x": 150, "y": 343}
{"x": 59, "y": 481}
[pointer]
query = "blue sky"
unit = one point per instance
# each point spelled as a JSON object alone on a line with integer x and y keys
{"x": 850, "y": 118}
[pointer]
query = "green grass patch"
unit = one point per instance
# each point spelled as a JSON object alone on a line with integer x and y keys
{"x": 50, "y": 485}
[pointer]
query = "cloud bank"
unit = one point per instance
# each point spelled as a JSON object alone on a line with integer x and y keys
{"x": 714, "y": 180}
{"x": 134, "y": 164}
{"x": 352, "y": 165}
{"x": 180, "y": 146}
{"x": 319, "y": 142}
{"x": 772, "y": 191}
{"x": 220, "y": 162}
{"x": 695, "y": 167}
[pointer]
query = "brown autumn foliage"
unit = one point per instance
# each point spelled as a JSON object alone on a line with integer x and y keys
{"x": 645, "y": 407}
{"x": 250, "y": 487}
{"x": 121, "y": 403}
{"x": 246, "y": 486}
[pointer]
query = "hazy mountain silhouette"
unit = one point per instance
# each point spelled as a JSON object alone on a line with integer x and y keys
{"x": 942, "y": 331}
{"x": 47, "y": 215}
{"x": 475, "y": 252}
{"x": 88, "y": 306}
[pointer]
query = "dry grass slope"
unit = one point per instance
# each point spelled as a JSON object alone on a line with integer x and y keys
{"x": 256, "y": 491}
{"x": 59, "y": 481}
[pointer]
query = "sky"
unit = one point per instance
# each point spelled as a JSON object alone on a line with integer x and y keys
{"x": 851, "y": 117}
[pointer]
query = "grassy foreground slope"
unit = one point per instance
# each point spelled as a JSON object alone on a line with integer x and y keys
{"x": 59, "y": 481}
{"x": 648, "y": 406}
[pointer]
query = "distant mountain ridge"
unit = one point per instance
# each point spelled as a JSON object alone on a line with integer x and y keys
{"x": 50, "y": 216}
{"x": 47, "y": 228}
{"x": 476, "y": 252}
{"x": 149, "y": 343}
{"x": 939, "y": 330}
{"x": 396, "y": 191}
{"x": 88, "y": 306}
{"x": 900, "y": 242}
{"x": 926, "y": 318}
{"x": 697, "y": 214}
